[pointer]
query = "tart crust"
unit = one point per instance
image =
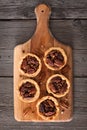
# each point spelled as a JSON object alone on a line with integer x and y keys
{"x": 56, "y": 106}
{"x": 63, "y": 54}
{"x": 31, "y": 99}
{"x": 57, "y": 94}
{"x": 37, "y": 71}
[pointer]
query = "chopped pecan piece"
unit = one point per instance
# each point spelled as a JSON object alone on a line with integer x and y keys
{"x": 64, "y": 103}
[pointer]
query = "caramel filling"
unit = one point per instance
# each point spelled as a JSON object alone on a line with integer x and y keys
{"x": 29, "y": 64}
{"x": 55, "y": 59}
{"x": 57, "y": 85}
{"x": 27, "y": 90}
{"x": 47, "y": 108}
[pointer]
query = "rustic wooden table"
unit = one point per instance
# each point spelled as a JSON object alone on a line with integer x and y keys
{"x": 69, "y": 25}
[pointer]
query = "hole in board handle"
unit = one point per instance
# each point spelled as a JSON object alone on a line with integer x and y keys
{"x": 42, "y": 11}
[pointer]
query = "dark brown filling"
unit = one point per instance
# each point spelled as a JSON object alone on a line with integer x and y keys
{"x": 29, "y": 64}
{"x": 27, "y": 90}
{"x": 58, "y": 85}
{"x": 47, "y": 108}
{"x": 55, "y": 58}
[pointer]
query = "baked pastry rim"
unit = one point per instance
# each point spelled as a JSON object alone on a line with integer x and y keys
{"x": 56, "y": 105}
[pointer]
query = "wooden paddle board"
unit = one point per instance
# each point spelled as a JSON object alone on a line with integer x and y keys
{"x": 38, "y": 44}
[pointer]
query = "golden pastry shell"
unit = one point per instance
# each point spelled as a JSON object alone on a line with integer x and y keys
{"x": 56, "y": 105}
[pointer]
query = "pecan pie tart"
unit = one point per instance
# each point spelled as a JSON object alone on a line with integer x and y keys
{"x": 48, "y": 108}
{"x": 30, "y": 65}
{"x": 55, "y": 58}
{"x": 28, "y": 90}
{"x": 58, "y": 85}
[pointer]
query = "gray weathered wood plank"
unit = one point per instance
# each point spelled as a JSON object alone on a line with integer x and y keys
{"x": 70, "y": 32}
{"x": 34, "y": 127}
{"x": 7, "y": 119}
{"x": 79, "y": 62}
{"x": 79, "y": 88}
{"x": 23, "y": 9}
{"x": 79, "y": 121}
{"x": 39, "y": 127}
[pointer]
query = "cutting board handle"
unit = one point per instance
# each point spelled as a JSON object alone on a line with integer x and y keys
{"x": 42, "y": 35}
{"x": 42, "y": 12}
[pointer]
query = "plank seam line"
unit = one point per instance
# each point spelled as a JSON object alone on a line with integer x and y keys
{"x": 35, "y": 19}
